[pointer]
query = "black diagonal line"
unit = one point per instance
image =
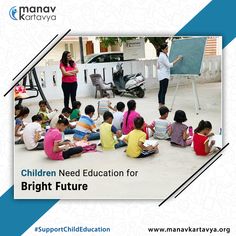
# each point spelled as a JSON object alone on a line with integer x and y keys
{"x": 198, "y": 176}
{"x": 192, "y": 175}
{"x": 37, "y": 62}
{"x": 36, "y": 55}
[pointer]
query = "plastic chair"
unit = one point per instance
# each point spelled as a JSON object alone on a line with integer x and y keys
{"x": 100, "y": 85}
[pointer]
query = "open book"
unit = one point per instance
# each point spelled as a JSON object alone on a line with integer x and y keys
{"x": 218, "y": 140}
{"x": 150, "y": 142}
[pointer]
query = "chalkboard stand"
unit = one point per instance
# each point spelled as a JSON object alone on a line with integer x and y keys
{"x": 195, "y": 94}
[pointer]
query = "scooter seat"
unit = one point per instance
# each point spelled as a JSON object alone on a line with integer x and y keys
{"x": 127, "y": 77}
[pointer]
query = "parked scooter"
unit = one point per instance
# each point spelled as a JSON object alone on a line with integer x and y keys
{"x": 132, "y": 84}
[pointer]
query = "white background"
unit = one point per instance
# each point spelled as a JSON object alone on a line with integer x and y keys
{"x": 209, "y": 201}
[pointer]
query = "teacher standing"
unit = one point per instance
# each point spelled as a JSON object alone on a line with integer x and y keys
{"x": 163, "y": 71}
{"x": 69, "y": 79}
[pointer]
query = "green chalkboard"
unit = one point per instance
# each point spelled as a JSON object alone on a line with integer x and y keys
{"x": 192, "y": 50}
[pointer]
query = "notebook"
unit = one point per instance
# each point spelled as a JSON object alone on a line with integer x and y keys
{"x": 150, "y": 142}
{"x": 218, "y": 140}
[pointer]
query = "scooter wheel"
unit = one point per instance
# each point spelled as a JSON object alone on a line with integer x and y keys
{"x": 140, "y": 93}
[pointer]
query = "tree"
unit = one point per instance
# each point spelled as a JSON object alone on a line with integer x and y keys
{"x": 110, "y": 41}
{"x": 156, "y": 41}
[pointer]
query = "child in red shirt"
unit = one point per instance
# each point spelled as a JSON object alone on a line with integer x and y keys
{"x": 201, "y": 136}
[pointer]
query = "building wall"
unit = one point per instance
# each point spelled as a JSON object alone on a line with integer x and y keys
{"x": 50, "y": 76}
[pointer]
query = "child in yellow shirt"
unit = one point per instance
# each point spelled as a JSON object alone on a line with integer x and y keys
{"x": 109, "y": 134}
{"x": 136, "y": 139}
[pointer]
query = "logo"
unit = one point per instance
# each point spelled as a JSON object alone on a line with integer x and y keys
{"x": 12, "y": 13}
{"x": 33, "y": 13}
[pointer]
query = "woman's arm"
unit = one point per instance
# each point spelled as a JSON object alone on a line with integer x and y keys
{"x": 178, "y": 58}
{"x": 67, "y": 73}
{"x": 165, "y": 61}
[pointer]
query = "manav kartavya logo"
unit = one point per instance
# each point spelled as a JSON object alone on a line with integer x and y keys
{"x": 33, "y": 13}
{"x": 12, "y": 13}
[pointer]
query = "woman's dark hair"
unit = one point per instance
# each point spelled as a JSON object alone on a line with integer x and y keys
{"x": 23, "y": 111}
{"x": 89, "y": 109}
{"x": 180, "y": 116}
{"x": 131, "y": 104}
{"x": 138, "y": 122}
{"x": 75, "y": 104}
{"x": 203, "y": 125}
{"x": 107, "y": 115}
{"x": 64, "y": 59}
{"x": 120, "y": 106}
{"x": 63, "y": 120}
{"x": 161, "y": 47}
{"x": 36, "y": 118}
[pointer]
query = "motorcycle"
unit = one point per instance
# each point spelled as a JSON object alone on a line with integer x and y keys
{"x": 132, "y": 84}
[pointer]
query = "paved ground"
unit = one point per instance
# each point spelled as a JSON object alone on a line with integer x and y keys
{"x": 157, "y": 176}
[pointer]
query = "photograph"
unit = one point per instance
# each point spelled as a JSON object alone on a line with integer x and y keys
{"x": 104, "y": 117}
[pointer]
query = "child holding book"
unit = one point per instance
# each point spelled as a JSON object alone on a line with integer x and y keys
{"x": 161, "y": 127}
{"x": 75, "y": 114}
{"x": 65, "y": 113}
{"x": 179, "y": 134}
{"x": 129, "y": 116}
{"x": 57, "y": 149}
{"x": 46, "y": 115}
{"x": 201, "y": 144}
{"x": 19, "y": 125}
{"x": 136, "y": 139}
{"x": 109, "y": 134}
{"x": 32, "y": 134}
{"x": 86, "y": 128}
{"x": 118, "y": 115}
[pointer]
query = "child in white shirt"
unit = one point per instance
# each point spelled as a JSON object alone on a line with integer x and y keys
{"x": 32, "y": 134}
{"x": 161, "y": 126}
{"x": 118, "y": 115}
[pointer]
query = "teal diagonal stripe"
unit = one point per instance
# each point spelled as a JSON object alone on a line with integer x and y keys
{"x": 18, "y": 215}
{"x": 217, "y": 18}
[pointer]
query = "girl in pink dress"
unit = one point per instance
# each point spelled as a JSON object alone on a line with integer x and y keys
{"x": 129, "y": 116}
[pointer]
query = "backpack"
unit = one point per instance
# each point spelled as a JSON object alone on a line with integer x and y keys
{"x": 87, "y": 146}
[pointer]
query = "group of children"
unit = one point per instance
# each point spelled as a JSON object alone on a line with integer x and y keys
{"x": 119, "y": 129}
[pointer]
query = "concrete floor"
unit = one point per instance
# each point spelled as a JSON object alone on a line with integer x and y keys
{"x": 158, "y": 175}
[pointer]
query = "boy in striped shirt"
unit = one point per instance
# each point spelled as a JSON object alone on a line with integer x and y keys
{"x": 85, "y": 127}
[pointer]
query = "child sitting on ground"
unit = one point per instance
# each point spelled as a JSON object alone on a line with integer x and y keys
{"x": 86, "y": 128}
{"x": 118, "y": 115}
{"x": 65, "y": 113}
{"x": 32, "y": 134}
{"x": 19, "y": 125}
{"x": 75, "y": 114}
{"x": 161, "y": 127}
{"x": 178, "y": 133}
{"x": 46, "y": 115}
{"x": 129, "y": 116}
{"x": 109, "y": 134}
{"x": 18, "y": 107}
{"x": 104, "y": 105}
{"x": 201, "y": 136}
{"x": 136, "y": 139}
{"x": 55, "y": 148}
